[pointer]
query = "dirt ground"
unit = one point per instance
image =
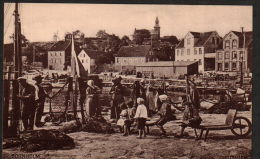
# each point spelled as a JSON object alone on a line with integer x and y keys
{"x": 220, "y": 144}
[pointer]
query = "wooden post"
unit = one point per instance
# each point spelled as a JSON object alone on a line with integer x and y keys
{"x": 6, "y": 101}
{"x": 16, "y": 108}
{"x": 75, "y": 98}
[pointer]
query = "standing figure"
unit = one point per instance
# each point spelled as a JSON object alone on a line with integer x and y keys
{"x": 117, "y": 98}
{"x": 136, "y": 91}
{"x": 29, "y": 106}
{"x": 191, "y": 115}
{"x": 40, "y": 101}
{"x": 92, "y": 105}
{"x": 141, "y": 115}
{"x": 151, "y": 98}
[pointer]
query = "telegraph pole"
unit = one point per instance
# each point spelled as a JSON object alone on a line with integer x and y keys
{"x": 242, "y": 58}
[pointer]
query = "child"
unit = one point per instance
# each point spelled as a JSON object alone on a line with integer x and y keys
{"x": 126, "y": 117}
{"x": 165, "y": 113}
{"x": 141, "y": 116}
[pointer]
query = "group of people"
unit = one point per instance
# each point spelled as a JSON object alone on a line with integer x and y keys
{"x": 124, "y": 111}
{"x": 137, "y": 110}
{"x": 33, "y": 97}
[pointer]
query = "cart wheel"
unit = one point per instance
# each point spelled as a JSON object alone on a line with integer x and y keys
{"x": 242, "y": 127}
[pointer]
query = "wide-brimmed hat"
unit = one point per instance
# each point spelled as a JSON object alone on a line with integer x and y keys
{"x": 163, "y": 97}
{"x": 21, "y": 78}
{"x": 90, "y": 83}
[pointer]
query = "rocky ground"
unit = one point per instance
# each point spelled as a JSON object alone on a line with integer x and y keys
{"x": 220, "y": 144}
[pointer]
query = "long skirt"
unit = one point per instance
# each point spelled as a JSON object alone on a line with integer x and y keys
{"x": 91, "y": 105}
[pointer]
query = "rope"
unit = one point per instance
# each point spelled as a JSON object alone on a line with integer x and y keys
{"x": 58, "y": 91}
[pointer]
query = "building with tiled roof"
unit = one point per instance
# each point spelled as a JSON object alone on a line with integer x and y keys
{"x": 129, "y": 56}
{"x": 201, "y": 47}
{"x": 59, "y": 55}
{"x": 234, "y": 52}
{"x": 88, "y": 59}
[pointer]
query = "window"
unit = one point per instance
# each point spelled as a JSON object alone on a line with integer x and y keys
{"x": 227, "y": 44}
{"x": 219, "y": 66}
{"x": 220, "y": 56}
{"x": 234, "y": 66}
{"x": 200, "y": 51}
{"x": 200, "y": 62}
{"x": 83, "y": 55}
{"x": 182, "y": 51}
{"x": 195, "y": 51}
{"x": 82, "y": 61}
{"x": 227, "y": 55}
{"x": 188, "y": 51}
{"x": 226, "y": 66}
{"x": 188, "y": 41}
{"x": 50, "y": 54}
{"x": 60, "y": 53}
{"x": 241, "y": 55}
{"x": 234, "y": 55}
{"x": 178, "y": 51}
{"x": 234, "y": 43}
{"x": 55, "y": 55}
{"x": 213, "y": 40}
{"x": 117, "y": 60}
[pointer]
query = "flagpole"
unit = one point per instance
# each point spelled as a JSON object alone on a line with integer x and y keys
{"x": 74, "y": 75}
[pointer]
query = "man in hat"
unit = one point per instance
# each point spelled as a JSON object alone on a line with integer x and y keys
{"x": 40, "y": 101}
{"x": 28, "y": 98}
{"x": 117, "y": 98}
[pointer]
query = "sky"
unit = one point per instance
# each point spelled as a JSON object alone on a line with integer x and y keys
{"x": 40, "y": 21}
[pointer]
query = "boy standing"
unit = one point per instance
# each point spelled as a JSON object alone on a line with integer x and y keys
{"x": 141, "y": 116}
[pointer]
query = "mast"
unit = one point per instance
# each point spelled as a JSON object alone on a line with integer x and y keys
{"x": 16, "y": 104}
{"x": 17, "y": 43}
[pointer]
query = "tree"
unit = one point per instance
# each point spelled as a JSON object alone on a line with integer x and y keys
{"x": 140, "y": 35}
{"x": 102, "y": 34}
{"x": 125, "y": 41}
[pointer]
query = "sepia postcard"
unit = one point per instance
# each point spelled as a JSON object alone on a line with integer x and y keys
{"x": 127, "y": 81}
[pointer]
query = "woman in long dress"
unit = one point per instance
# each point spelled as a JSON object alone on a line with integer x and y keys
{"x": 92, "y": 105}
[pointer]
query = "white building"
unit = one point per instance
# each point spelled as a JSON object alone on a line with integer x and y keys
{"x": 199, "y": 47}
{"x": 88, "y": 59}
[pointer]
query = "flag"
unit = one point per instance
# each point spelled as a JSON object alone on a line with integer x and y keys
{"x": 76, "y": 66}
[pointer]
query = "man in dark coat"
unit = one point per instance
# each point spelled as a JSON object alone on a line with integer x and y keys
{"x": 28, "y": 99}
{"x": 117, "y": 97}
{"x": 40, "y": 101}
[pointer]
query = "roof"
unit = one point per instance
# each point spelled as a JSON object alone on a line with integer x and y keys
{"x": 202, "y": 38}
{"x": 248, "y": 36}
{"x": 181, "y": 44}
{"x": 134, "y": 51}
{"x": 60, "y": 46}
{"x": 166, "y": 64}
{"x": 93, "y": 54}
{"x": 195, "y": 34}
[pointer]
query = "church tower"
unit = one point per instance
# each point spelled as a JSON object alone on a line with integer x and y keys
{"x": 157, "y": 29}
